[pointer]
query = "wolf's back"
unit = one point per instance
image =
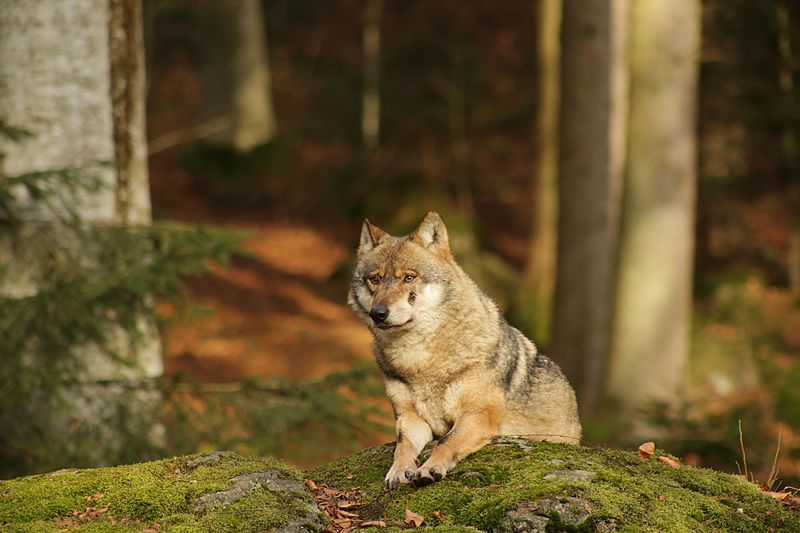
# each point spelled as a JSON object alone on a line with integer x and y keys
{"x": 534, "y": 386}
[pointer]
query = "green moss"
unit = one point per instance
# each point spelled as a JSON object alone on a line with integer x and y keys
{"x": 637, "y": 495}
{"x": 160, "y": 492}
{"x": 633, "y": 494}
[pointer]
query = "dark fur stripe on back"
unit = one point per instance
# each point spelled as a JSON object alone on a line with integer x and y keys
{"x": 513, "y": 347}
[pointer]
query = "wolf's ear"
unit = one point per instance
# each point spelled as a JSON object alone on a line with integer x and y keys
{"x": 432, "y": 234}
{"x": 370, "y": 237}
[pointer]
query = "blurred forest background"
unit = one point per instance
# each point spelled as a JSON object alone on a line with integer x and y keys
{"x": 622, "y": 176}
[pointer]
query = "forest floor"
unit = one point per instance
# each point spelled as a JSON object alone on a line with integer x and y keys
{"x": 277, "y": 311}
{"x": 280, "y": 312}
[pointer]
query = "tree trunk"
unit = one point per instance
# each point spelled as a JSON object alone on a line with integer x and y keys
{"x": 236, "y": 79}
{"x": 654, "y": 285}
{"x": 541, "y": 268}
{"x": 371, "y": 102}
{"x": 73, "y": 76}
{"x": 789, "y": 145}
{"x": 590, "y": 161}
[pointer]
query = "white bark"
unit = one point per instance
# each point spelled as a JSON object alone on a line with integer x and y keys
{"x": 652, "y": 320}
{"x": 253, "y": 112}
{"x": 236, "y": 78}
{"x": 72, "y": 73}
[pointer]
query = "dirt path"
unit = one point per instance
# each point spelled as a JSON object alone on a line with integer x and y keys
{"x": 274, "y": 313}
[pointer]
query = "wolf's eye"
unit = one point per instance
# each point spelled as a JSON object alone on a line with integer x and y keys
{"x": 408, "y": 278}
{"x": 374, "y": 279}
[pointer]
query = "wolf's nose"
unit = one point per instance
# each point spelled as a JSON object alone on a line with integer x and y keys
{"x": 379, "y": 313}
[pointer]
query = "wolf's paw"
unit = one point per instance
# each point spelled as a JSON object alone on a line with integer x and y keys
{"x": 427, "y": 475}
{"x": 399, "y": 475}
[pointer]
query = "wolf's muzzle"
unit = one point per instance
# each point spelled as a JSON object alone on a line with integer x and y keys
{"x": 379, "y": 313}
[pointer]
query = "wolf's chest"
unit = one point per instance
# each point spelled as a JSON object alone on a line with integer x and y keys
{"x": 437, "y": 405}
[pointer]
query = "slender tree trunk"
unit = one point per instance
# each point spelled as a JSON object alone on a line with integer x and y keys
{"x": 654, "y": 287}
{"x": 371, "y": 101}
{"x": 790, "y": 148}
{"x": 590, "y": 162}
{"x": 236, "y": 79}
{"x": 541, "y": 268}
{"x": 73, "y": 75}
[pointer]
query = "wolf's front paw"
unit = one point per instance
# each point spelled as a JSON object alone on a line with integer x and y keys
{"x": 427, "y": 475}
{"x": 399, "y": 474}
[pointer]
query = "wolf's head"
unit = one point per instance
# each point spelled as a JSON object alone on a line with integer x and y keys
{"x": 399, "y": 283}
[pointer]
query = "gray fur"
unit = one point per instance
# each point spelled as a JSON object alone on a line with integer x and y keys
{"x": 446, "y": 350}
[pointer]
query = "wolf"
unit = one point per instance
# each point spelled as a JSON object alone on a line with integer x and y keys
{"x": 453, "y": 368}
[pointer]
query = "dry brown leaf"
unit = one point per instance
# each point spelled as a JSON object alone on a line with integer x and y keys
{"x": 780, "y": 496}
{"x": 661, "y": 497}
{"x": 373, "y": 523}
{"x": 311, "y": 485}
{"x": 647, "y": 450}
{"x": 674, "y": 462}
{"x": 413, "y": 519}
{"x": 437, "y": 515}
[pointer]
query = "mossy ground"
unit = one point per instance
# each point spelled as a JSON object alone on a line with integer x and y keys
{"x": 158, "y": 494}
{"x": 632, "y": 493}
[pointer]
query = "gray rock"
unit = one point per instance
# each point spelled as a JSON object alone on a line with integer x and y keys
{"x": 572, "y": 476}
{"x": 208, "y": 459}
{"x": 535, "y": 516}
{"x": 243, "y": 485}
{"x": 522, "y": 520}
{"x": 271, "y": 480}
{"x": 519, "y": 442}
{"x": 570, "y": 511}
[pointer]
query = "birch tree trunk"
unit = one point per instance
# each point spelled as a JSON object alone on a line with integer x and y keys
{"x": 592, "y": 128}
{"x": 73, "y": 75}
{"x": 235, "y": 72}
{"x": 653, "y": 309}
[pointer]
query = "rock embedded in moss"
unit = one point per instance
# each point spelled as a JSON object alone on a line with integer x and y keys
{"x": 220, "y": 491}
{"x": 510, "y": 485}
{"x": 617, "y": 490}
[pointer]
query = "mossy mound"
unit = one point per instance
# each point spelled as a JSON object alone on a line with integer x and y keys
{"x": 517, "y": 485}
{"x": 511, "y": 485}
{"x": 220, "y": 491}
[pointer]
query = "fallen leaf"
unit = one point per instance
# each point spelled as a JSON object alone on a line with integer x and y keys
{"x": 780, "y": 496}
{"x": 674, "y": 462}
{"x": 311, "y": 485}
{"x": 437, "y": 515}
{"x": 661, "y": 497}
{"x": 647, "y": 450}
{"x": 373, "y": 523}
{"x": 413, "y": 519}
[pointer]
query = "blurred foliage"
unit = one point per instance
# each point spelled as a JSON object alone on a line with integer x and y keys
{"x": 71, "y": 287}
{"x": 458, "y": 82}
{"x": 741, "y": 370}
{"x": 279, "y": 417}
{"x": 73, "y": 300}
